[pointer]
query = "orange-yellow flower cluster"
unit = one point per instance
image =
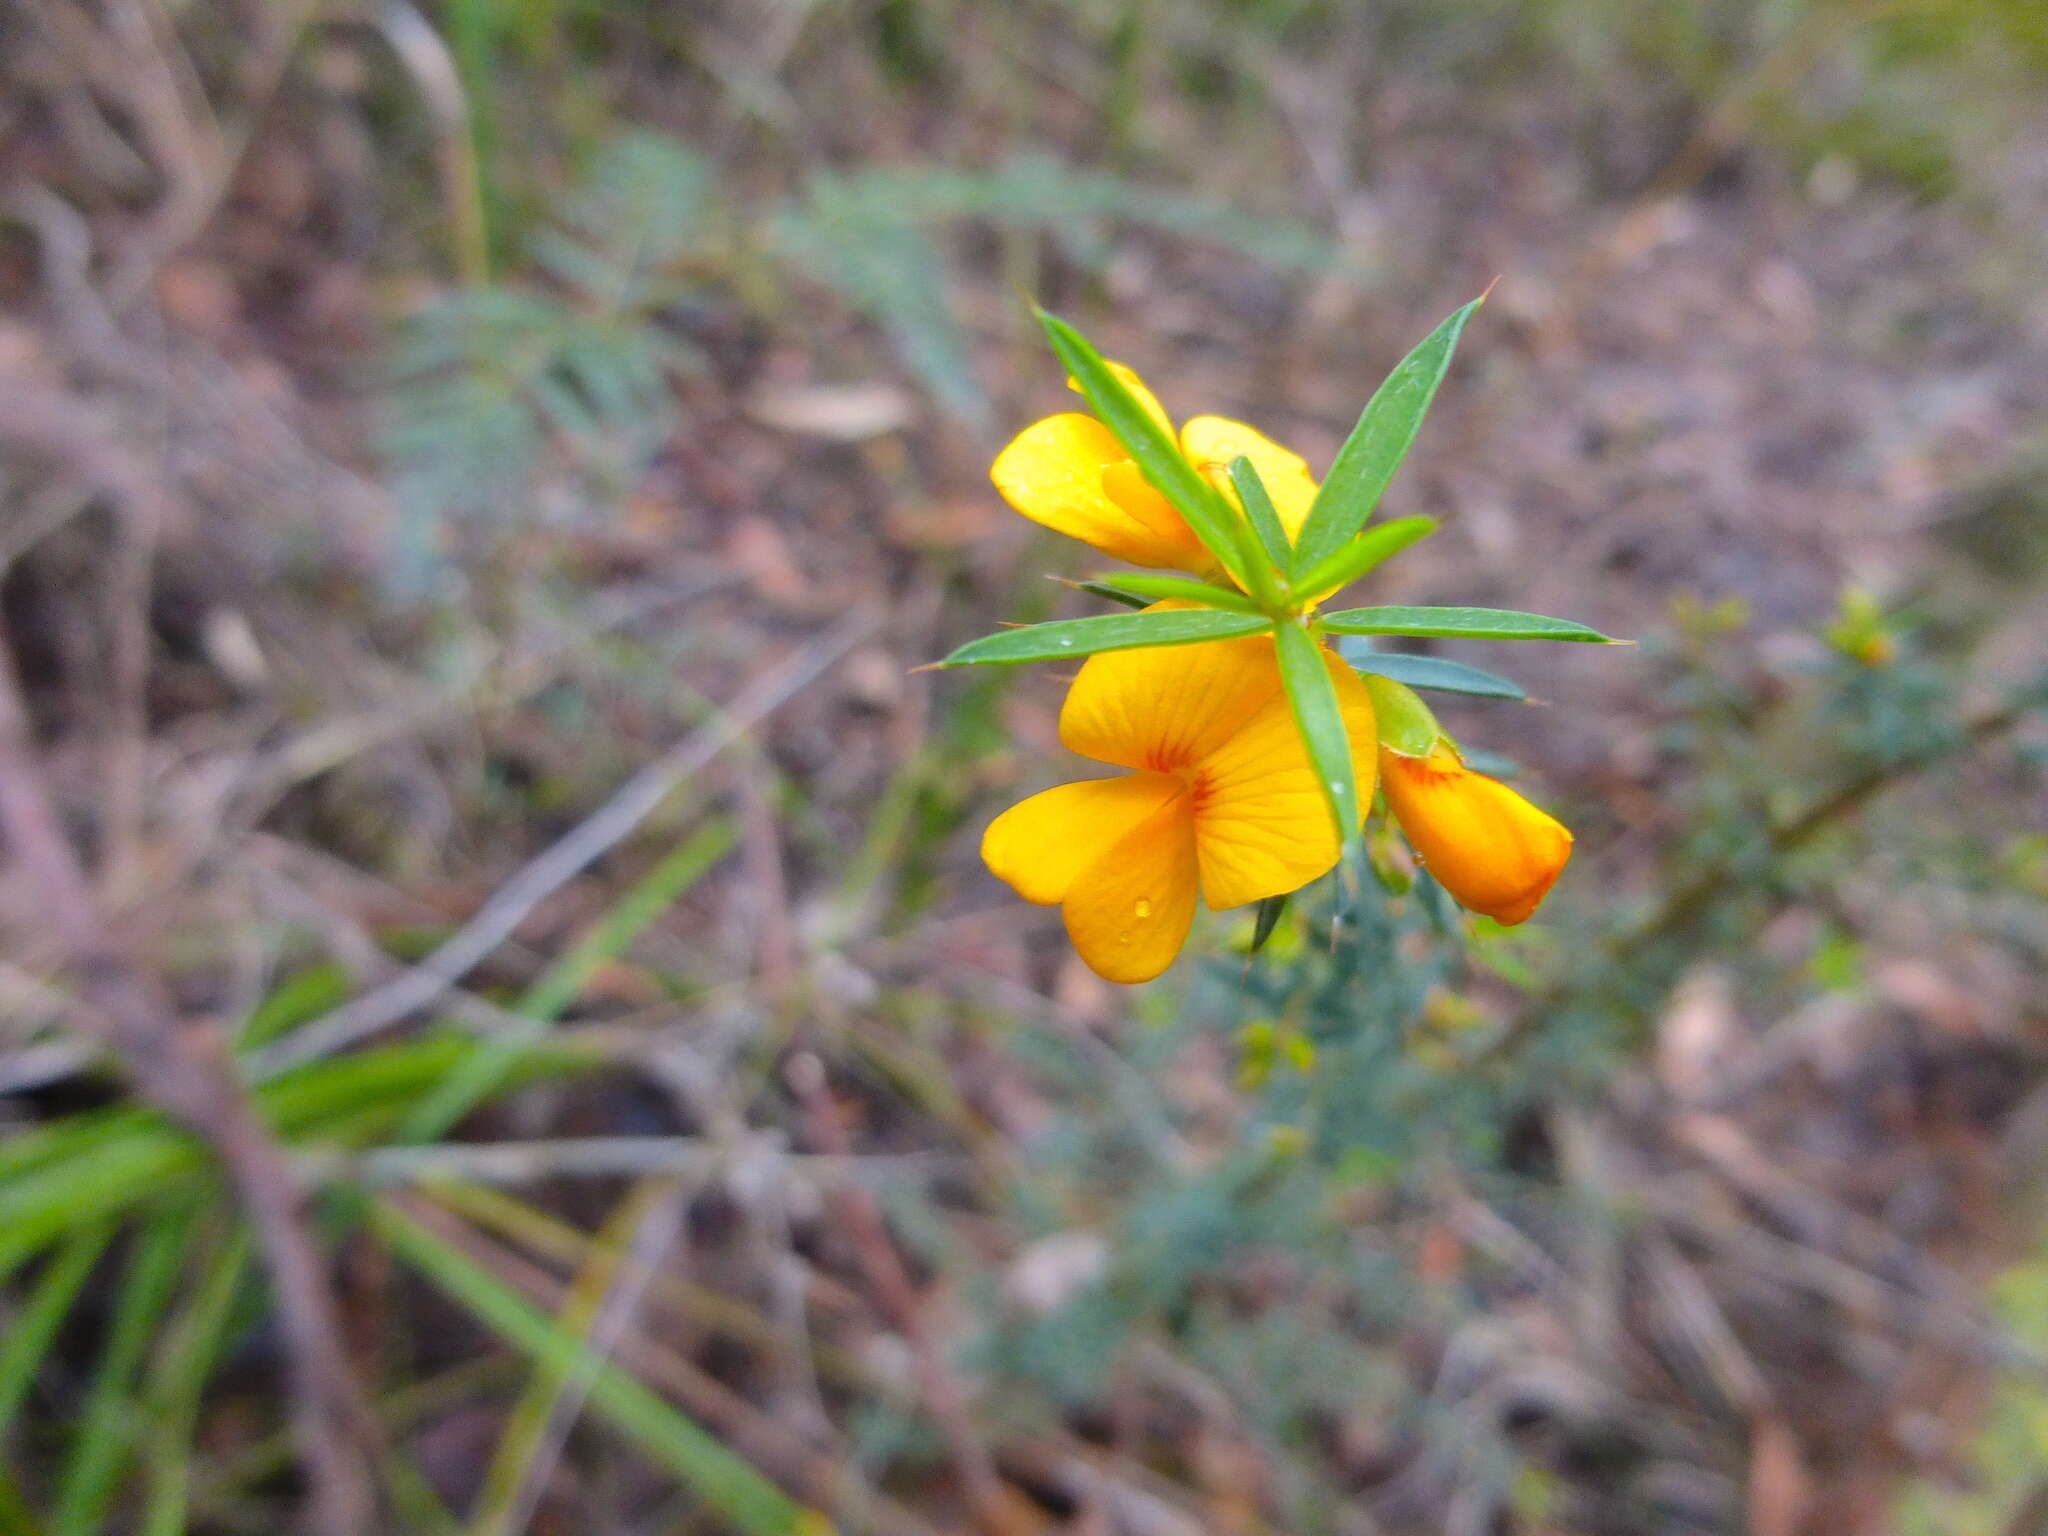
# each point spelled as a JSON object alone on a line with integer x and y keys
{"x": 1222, "y": 801}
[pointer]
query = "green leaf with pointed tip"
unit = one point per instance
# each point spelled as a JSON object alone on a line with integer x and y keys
{"x": 1186, "y": 589}
{"x": 1372, "y": 548}
{"x": 1258, "y": 511}
{"x": 1429, "y": 672}
{"x": 1378, "y": 443}
{"x": 1467, "y": 623}
{"x": 1114, "y": 594}
{"x": 1269, "y": 913}
{"x": 1104, "y": 632}
{"x": 1154, "y": 450}
{"x": 1321, "y": 720}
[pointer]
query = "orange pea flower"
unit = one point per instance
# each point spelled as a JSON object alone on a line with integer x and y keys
{"x": 1070, "y": 473}
{"x": 1222, "y": 801}
{"x": 1485, "y": 844}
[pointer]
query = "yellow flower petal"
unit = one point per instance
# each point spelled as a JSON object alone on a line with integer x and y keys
{"x": 1262, "y": 826}
{"x": 1211, "y": 442}
{"x": 1039, "y": 845}
{"x": 1486, "y": 845}
{"x": 1166, "y": 707}
{"x": 1128, "y": 912}
{"x": 1168, "y": 543}
{"x": 1071, "y": 474}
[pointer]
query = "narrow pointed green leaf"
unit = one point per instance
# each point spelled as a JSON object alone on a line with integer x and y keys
{"x": 1378, "y": 443}
{"x": 1429, "y": 672}
{"x": 1186, "y": 589}
{"x": 1258, "y": 511}
{"x": 1371, "y": 548}
{"x": 1468, "y": 623}
{"x": 1113, "y": 594}
{"x": 727, "y": 1483}
{"x": 1269, "y": 913}
{"x": 1316, "y": 711}
{"x": 1070, "y": 638}
{"x": 1155, "y": 451}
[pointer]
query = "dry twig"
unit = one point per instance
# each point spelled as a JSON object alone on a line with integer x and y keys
{"x": 427, "y": 982}
{"x": 861, "y": 1219}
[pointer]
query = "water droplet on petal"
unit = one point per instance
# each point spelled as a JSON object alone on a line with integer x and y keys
{"x": 1144, "y": 909}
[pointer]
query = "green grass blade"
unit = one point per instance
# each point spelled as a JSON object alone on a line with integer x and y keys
{"x": 727, "y": 1484}
{"x": 1071, "y": 638}
{"x": 1372, "y": 548}
{"x": 483, "y": 1070}
{"x": 1430, "y": 672}
{"x": 190, "y": 1351}
{"x": 99, "y": 1453}
{"x": 649, "y": 899}
{"x": 29, "y": 1334}
{"x": 552, "y": 1390}
{"x": 1316, "y": 711}
{"x": 1186, "y": 589}
{"x": 105, "y": 1163}
{"x": 40, "y": 1207}
{"x": 295, "y": 1000}
{"x": 1465, "y": 623}
{"x": 1378, "y": 443}
{"x": 1156, "y": 453}
{"x": 1258, "y": 511}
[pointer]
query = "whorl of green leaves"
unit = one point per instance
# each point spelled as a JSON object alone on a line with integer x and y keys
{"x": 1278, "y": 586}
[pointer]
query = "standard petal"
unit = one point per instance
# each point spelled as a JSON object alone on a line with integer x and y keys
{"x": 1039, "y": 845}
{"x": 1165, "y": 707}
{"x": 1486, "y": 845}
{"x": 1071, "y": 474}
{"x": 1211, "y": 442}
{"x": 1129, "y": 911}
{"x": 1168, "y": 542}
{"x": 1262, "y": 826}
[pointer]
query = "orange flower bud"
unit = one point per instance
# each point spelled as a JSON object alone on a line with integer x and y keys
{"x": 1485, "y": 844}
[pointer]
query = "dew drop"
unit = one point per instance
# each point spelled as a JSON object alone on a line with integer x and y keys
{"x": 1066, "y": 639}
{"x": 1336, "y": 786}
{"x": 1144, "y": 909}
